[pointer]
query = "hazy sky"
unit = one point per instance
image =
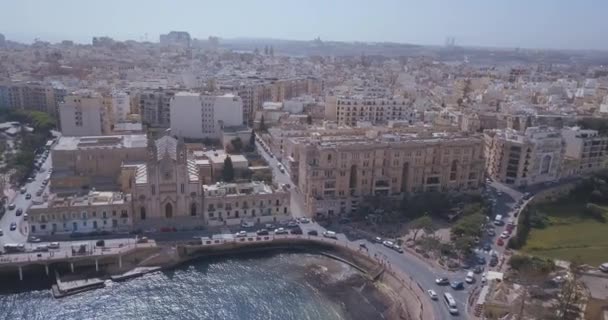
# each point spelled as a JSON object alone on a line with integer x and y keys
{"x": 571, "y": 24}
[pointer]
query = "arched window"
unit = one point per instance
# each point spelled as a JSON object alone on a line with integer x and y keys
{"x": 142, "y": 213}
{"x": 168, "y": 210}
{"x": 193, "y": 209}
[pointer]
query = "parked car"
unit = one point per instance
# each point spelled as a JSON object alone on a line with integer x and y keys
{"x": 378, "y": 240}
{"x": 1, "y": 233}
{"x": 12, "y": 206}
{"x": 388, "y": 244}
{"x": 23, "y": 190}
{"x": 481, "y": 260}
{"x": 28, "y": 196}
{"x": 100, "y": 243}
{"x": 55, "y": 245}
{"x": 397, "y": 248}
{"x": 304, "y": 220}
{"x": 493, "y": 262}
{"x": 500, "y": 242}
{"x": 330, "y": 234}
{"x": 478, "y": 269}
{"x": 296, "y": 230}
{"x": 604, "y": 267}
{"x": 241, "y": 234}
{"x": 313, "y": 233}
{"x": 491, "y": 232}
{"x": 432, "y": 294}
{"x": 19, "y": 212}
{"x": 487, "y": 247}
{"x": 442, "y": 281}
{"x": 13, "y": 226}
{"x": 280, "y": 231}
{"x": 262, "y": 232}
{"x": 470, "y": 278}
{"x": 505, "y": 235}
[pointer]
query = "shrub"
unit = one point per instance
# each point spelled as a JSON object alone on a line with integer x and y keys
{"x": 595, "y": 211}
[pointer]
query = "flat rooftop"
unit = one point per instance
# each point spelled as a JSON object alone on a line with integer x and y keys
{"x": 102, "y": 142}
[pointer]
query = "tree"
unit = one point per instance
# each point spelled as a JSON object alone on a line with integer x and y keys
{"x": 228, "y": 170}
{"x": 252, "y": 140}
{"x": 237, "y": 144}
{"x": 263, "y": 124}
{"x": 309, "y": 119}
{"x": 423, "y": 223}
{"x": 469, "y": 226}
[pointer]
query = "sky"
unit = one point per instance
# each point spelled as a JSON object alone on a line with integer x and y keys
{"x": 552, "y": 24}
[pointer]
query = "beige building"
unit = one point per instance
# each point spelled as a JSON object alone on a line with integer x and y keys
{"x": 585, "y": 150}
{"x": 520, "y": 159}
{"x": 94, "y": 161}
{"x": 95, "y": 211}
{"x": 234, "y": 203}
{"x": 336, "y": 172}
{"x": 353, "y": 109}
{"x": 85, "y": 113}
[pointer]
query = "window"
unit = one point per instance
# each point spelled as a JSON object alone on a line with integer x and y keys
{"x": 193, "y": 209}
{"x": 153, "y": 189}
{"x": 182, "y": 188}
{"x": 168, "y": 211}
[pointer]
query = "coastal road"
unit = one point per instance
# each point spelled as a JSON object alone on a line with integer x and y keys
{"x": 20, "y": 201}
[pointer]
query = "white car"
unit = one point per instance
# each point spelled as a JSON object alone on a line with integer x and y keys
{"x": 330, "y": 234}
{"x": 55, "y": 245}
{"x": 505, "y": 234}
{"x": 281, "y": 231}
{"x": 388, "y": 244}
{"x": 241, "y": 234}
{"x": 432, "y": 294}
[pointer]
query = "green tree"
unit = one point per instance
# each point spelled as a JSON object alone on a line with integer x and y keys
{"x": 228, "y": 170}
{"x": 469, "y": 226}
{"x": 424, "y": 223}
{"x": 263, "y": 127}
{"x": 237, "y": 144}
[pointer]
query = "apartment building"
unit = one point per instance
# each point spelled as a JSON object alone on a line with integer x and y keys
{"x": 94, "y": 161}
{"x": 33, "y": 96}
{"x": 337, "y": 172}
{"x": 85, "y": 113}
{"x": 95, "y": 211}
{"x": 234, "y": 203}
{"x": 154, "y": 107}
{"x": 350, "y": 110}
{"x": 121, "y": 106}
{"x": 198, "y": 116}
{"x": 520, "y": 159}
{"x": 585, "y": 150}
{"x": 176, "y": 38}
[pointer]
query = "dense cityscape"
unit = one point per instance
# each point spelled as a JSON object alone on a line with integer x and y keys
{"x": 457, "y": 181}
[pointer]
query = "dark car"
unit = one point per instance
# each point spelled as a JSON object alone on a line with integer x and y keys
{"x": 493, "y": 262}
{"x": 13, "y": 226}
{"x": 297, "y": 230}
{"x": 487, "y": 247}
{"x": 262, "y": 232}
{"x": 28, "y": 196}
{"x": 442, "y": 281}
{"x": 19, "y": 211}
{"x": 457, "y": 285}
{"x": 478, "y": 269}
{"x": 481, "y": 260}
{"x": 100, "y": 243}
{"x": 313, "y": 233}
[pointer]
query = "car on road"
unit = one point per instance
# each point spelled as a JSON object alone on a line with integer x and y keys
{"x": 38, "y": 193}
{"x": 13, "y": 226}
{"x": 12, "y": 206}
{"x": 296, "y": 230}
{"x": 241, "y": 234}
{"x": 378, "y": 240}
{"x": 481, "y": 260}
{"x": 500, "y": 242}
{"x": 1, "y": 233}
{"x": 505, "y": 235}
{"x": 397, "y": 248}
{"x": 247, "y": 224}
{"x": 270, "y": 226}
{"x": 23, "y": 190}
{"x": 304, "y": 220}
{"x": 432, "y": 294}
{"x": 388, "y": 244}
{"x": 493, "y": 261}
{"x": 603, "y": 267}
{"x": 262, "y": 232}
{"x": 470, "y": 278}
{"x": 457, "y": 285}
{"x": 54, "y": 245}
{"x": 19, "y": 212}
{"x": 330, "y": 234}
{"x": 292, "y": 224}
{"x": 28, "y": 196}
{"x": 443, "y": 281}
{"x": 487, "y": 247}
{"x": 313, "y": 233}
{"x": 478, "y": 269}
{"x": 491, "y": 232}
{"x": 30, "y": 179}
{"x": 281, "y": 231}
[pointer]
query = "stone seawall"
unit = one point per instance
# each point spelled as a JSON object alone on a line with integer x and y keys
{"x": 408, "y": 300}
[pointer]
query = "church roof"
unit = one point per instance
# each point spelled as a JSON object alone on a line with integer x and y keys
{"x": 166, "y": 146}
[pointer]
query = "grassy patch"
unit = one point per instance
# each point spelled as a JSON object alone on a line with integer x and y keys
{"x": 570, "y": 234}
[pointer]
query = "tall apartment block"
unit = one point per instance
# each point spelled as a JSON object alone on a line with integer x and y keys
{"x": 520, "y": 159}
{"x": 154, "y": 107}
{"x": 85, "y": 113}
{"x": 198, "y": 116}
{"x": 586, "y": 150}
{"x": 335, "y": 173}
{"x": 350, "y": 110}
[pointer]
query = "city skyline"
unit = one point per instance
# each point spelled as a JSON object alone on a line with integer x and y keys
{"x": 474, "y": 23}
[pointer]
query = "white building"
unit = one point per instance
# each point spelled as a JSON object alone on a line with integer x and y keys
{"x": 84, "y": 113}
{"x": 121, "y": 107}
{"x": 586, "y": 150}
{"x": 197, "y": 116}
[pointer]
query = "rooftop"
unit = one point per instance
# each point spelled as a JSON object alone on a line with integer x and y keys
{"x": 222, "y": 189}
{"x": 93, "y": 198}
{"x": 102, "y": 142}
